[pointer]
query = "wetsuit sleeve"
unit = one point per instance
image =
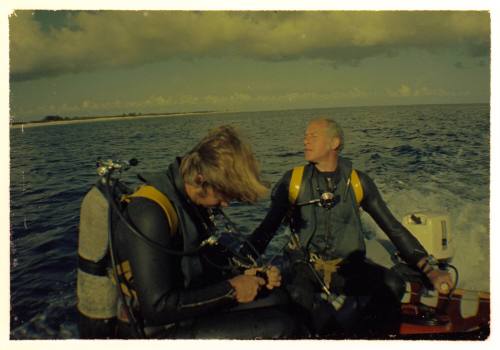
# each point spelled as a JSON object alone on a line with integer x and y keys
{"x": 409, "y": 247}
{"x": 263, "y": 234}
{"x": 157, "y": 276}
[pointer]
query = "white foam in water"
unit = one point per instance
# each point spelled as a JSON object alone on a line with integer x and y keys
{"x": 469, "y": 225}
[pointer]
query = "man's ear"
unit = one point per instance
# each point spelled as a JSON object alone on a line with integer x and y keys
{"x": 199, "y": 179}
{"x": 335, "y": 143}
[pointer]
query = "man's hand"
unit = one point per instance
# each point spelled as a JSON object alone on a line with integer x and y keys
{"x": 246, "y": 287}
{"x": 273, "y": 275}
{"x": 441, "y": 280}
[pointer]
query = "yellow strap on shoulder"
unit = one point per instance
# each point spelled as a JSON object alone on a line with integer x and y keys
{"x": 150, "y": 192}
{"x": 295, "y": 182}
{"x": 356, "y": 186}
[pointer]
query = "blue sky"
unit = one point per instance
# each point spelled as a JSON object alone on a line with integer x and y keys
{"x": 78, "y": 63}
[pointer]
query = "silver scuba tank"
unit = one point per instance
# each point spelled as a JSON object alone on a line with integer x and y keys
{"x": 97, "y": 295}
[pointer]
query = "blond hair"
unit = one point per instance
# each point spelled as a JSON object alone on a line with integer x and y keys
{"x": 227, "y": 164}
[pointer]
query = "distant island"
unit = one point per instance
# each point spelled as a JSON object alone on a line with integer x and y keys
{"x": 56, "y": 119}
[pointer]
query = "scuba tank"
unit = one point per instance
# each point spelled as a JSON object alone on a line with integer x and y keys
{"x": 97, "y": 294}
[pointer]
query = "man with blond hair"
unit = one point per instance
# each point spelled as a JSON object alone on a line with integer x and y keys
{"x": 187, "y": 295}
{"x": 322, "y": 201}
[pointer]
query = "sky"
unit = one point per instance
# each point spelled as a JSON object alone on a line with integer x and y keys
{"x": 109, "y": 62}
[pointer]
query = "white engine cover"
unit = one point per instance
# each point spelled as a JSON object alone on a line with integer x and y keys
{"x": 433, "y": 231}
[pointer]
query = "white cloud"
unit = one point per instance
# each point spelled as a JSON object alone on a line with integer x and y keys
{"x": 407, "y": 90}
{"x": 234, "y": 101}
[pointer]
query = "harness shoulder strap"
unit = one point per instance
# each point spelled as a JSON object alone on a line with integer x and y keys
{"x": 295, "y": 182}
{"x": 150, "y": 192}
{"x": 356, "y": 186}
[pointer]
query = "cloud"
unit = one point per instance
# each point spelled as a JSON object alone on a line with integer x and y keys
{"x": 233, "y": 101}
{"x": 112, "y": 39}
{"x": 404, "y": 91}
{"x": 407, "y": 90}
{"x": 186, "y": 102}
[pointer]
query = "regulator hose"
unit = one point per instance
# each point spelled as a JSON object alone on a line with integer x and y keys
{"x": 110, "y": 189}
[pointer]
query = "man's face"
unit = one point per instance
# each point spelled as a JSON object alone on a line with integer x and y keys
{"x": 210, "y": 198}
{"x": 317, "y": 143}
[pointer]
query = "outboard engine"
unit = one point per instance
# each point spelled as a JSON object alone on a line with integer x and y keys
{"x": 433, "y": 231}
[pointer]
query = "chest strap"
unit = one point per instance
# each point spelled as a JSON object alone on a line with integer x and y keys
{"x": 296, "y": 182}
{"x": 150, "y": 192}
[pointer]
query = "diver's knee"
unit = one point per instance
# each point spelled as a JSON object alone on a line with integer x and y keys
{"x": 282, "y": 325}
{"x": 396, "y": 284}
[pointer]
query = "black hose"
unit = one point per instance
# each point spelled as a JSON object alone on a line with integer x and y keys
{"x": 110, "y": 189}
{"x": 237, "y": 233}
{"x": 456, "y": 279}
{"x": 316, "y": 275}
{"x": 128, "y": 308}
{"x": 139, "y": 234}
{"x": 227, "y": 267}
{"x": 240, "y": 238}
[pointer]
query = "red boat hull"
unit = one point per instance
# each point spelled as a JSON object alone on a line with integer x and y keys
{"x": 463, "y": 311}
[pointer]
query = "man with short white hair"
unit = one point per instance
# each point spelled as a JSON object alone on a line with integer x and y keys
{"x": 321, "y": 201}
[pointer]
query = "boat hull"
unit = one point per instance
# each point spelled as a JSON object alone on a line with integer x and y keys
{"x": 428, "y": 313}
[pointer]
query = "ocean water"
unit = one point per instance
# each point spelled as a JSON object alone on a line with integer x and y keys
{"x": 433, "y": 157}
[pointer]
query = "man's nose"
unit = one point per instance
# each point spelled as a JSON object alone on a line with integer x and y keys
{"x": 224, "y": 204}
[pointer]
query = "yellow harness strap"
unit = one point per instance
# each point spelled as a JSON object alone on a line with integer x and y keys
{"x": 150, "y": 192}
{"x": 124, "y": 269}
{"x": 356, "y": 186}
{"x": 296, "y": 181}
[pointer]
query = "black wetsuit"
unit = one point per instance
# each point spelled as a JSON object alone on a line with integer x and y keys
{"x": 185, "y": 296}
{"x": 372, "y": 288}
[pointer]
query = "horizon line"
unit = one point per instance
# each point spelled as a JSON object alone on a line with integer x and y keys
{"x": 139, "y": 114}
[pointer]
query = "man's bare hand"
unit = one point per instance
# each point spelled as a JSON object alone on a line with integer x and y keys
{"x": 441, "y": 280}
{"x": 246, "y": 287}
{"x": 273, "y": 275}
